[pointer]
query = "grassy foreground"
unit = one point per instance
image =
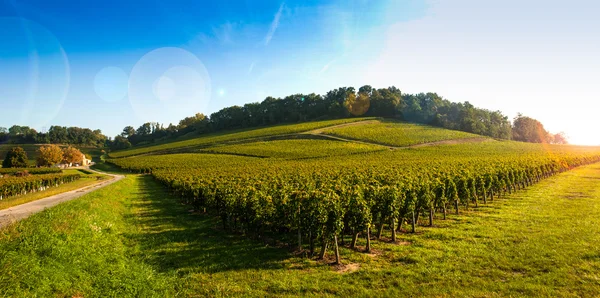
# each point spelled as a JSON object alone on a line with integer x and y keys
{"x": 133, "y": 239}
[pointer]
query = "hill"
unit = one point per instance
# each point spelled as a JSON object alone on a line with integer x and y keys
{"x": 365, "y": 207}
{"x": 370, "y": 132}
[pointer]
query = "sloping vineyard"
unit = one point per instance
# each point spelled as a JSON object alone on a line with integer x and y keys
{"x": 14, "y": 186}
{"x": 317, "y": 201}
{"x": 398, "y": 133}
{"x": 235, "y": 136}
{"x": 295, "y": 149}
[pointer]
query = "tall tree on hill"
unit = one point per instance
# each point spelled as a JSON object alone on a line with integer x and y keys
{"x": 560, "y": 138}
{"x": 58, "y": 135}
{"x": 128, "y": 131}
{"x": 22, "y": 134}
{"x": 336, "y": 99}
{"x": 49, "y": 155}
{"x": 386, "y": 102}
{"x": 357, "y": 105}
{"x": 3, "y": 135}
{"x": 144, "y": 130}
{"x": 526, "y": 129}
{"x": 198, "y": 122}
{"x": 119, "y": 143}
{"x": 15, "y": 158}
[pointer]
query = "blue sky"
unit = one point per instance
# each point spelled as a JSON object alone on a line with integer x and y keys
{"x": 108, "y": 64}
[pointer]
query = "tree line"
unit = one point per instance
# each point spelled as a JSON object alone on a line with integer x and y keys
{"x": 17, "y": 134}
{"x": 425, "y": 108}
{"x": 48, "y": 156}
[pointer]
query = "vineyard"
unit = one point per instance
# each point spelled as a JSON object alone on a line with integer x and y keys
{"x": 295, "y": 149}
{"x": 310, "y": 202}
{"x": 33, "y": 171}
{"x": 398, "y": 134}
{"x": 14, "y": 186}
{"x": 234, "y": 136}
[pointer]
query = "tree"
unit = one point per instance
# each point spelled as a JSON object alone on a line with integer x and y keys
{"x": 120, "y": 143}
{"x": 198, "y": 122}
{"x": 385, "y": 102}
{"x": 49, "y": 155}
{"x": 526, "y": 129}
{"x": 3, "y": 134}
{"x": 72, "y": 155}
{"x": 58, "y": 134}
{"x": 15, "y": 158}
{"x": 128, "y": 131}
{"x": 560, "y": 138}
{"x": 336, "y": 99}
{"x": 145, "y": 129}
{"x": 357, "y": 105}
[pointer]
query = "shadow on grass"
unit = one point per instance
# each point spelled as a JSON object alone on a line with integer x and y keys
{"x": 172, "y": 238}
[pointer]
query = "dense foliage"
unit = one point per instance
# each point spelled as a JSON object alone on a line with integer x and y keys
{"x": 56, "y": 135}
{"x": 14, "y": 186}
{"x": 15, "y": 158}
{"x": 32, "y": 171}
{"x": 72, "y": 155}
{"x": 526, "y": 129}
{"x": 319, "y": 200}
{"x": 49, "y": 155}
{"x": 426, "y": 108}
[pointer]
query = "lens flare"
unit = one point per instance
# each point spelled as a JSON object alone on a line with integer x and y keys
{"x": 357, "y": 105}
{"x": 168, "y": 83}
{"x": 40, "y": 72}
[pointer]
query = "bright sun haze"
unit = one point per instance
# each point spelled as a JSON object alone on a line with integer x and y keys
{"x": 536, "y": 57}
{"x": 299, "y": 148}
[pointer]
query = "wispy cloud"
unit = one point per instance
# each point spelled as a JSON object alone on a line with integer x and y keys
{"x": 224, "y": 33}
{"x": 251, "y": 67}
{"x": 326, "y": 67}
{"x": 274, "y": 25}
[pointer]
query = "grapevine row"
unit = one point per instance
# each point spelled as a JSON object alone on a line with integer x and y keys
{"x": 14, "y": 186}
{"x": 33, "y": 171}
{"x": 321, "y": 201}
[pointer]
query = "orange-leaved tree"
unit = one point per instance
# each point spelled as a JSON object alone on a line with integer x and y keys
{"x": 72, "y": 155}
{"x": 49, "y": 155}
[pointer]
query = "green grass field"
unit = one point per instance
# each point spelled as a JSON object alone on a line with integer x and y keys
{"x": 228, "y": 136}
{"x": 133, "y": 239}
{"x": 398, "y": 134}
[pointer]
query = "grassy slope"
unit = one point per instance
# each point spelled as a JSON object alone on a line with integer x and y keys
{"x": 229, "y": 136}
{"x": 133, "y": 239}
{"x": 84, "y": 181}
{"x": 397, "y": 133}
{"x": 293, "y": 149}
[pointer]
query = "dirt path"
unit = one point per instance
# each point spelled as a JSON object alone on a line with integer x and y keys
{"x": 16, "y": 213}
{"x": 321, "y": 130}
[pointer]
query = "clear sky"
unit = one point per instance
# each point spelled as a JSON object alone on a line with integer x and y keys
{"x": 109, "y": 64}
